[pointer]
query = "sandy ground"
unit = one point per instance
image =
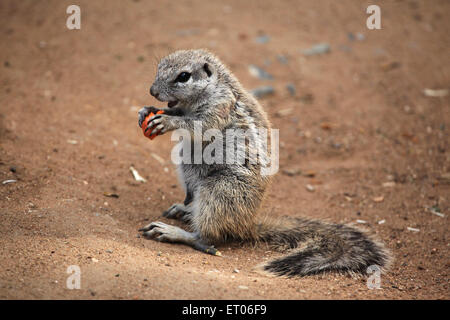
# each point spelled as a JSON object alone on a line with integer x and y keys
{"x": 359, "y": 129}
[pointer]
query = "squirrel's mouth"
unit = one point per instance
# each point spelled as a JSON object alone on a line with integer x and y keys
{"x": 172, "y": 104}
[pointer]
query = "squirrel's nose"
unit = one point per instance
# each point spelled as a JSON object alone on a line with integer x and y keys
{"x": 153, "y": 92}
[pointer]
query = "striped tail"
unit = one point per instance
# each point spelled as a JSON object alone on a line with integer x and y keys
{"x": 316, "y": 247}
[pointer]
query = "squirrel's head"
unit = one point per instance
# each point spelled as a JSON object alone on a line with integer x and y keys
{"x": 186, "y": 76}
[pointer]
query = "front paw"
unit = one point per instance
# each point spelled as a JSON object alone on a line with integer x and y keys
{"x": 160, "y": 124}
{"x": 144, "y": 112}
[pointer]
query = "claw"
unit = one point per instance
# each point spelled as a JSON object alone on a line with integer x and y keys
{"x": 146, "y": 228}
{"x": 161, "y": 238}
{"x": 150, "y": 226}
{"x": 207, "y": 249}
{"x": 152, "y": 122}
{"x": 144, "y": 112}
{"x": 169, "y": 212}
{"x": 152, "y": 233}
{"x": 154, "y": 117}
{"x": 158, "y": 129}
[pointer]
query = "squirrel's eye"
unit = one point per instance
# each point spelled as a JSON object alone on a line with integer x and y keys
{"x": 183, "y": 77}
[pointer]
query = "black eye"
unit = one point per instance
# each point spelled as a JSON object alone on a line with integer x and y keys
{"x": 183, "y": 77}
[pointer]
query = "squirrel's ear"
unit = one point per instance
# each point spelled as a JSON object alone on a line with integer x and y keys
{"x": 207, "y": 69}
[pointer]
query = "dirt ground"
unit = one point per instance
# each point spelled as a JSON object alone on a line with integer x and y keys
{"x": 358, "y": 128}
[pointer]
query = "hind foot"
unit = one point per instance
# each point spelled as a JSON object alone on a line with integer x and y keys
{"x": 178, "y": 211}
{"x": 167, "y": 233}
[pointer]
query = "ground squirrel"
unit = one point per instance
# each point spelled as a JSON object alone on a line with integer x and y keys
{"x": 222, "y": 199}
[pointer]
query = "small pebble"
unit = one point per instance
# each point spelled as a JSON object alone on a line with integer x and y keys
{"x": 257, "y": 72}
{"x": 317, "y": 49}
{"x": 292, "y": 172}
{"x": 284, "y": 112}
{"x": 444, "y": 178}
{"x": 378, "y": 199}
{"x": 262, "y": 39}
{"x": 291, "y": 89}
{"x": 263, "y": 91}
{"x": 389, "y": 184}
{"x": 435, "y": 93}
{"x": 282, "y": 59}
{"x": 360, "y": 36}
{"x": 388, "y": 66}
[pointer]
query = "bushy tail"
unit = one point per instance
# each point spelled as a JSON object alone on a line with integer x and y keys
{"x": 315, "y": 247}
